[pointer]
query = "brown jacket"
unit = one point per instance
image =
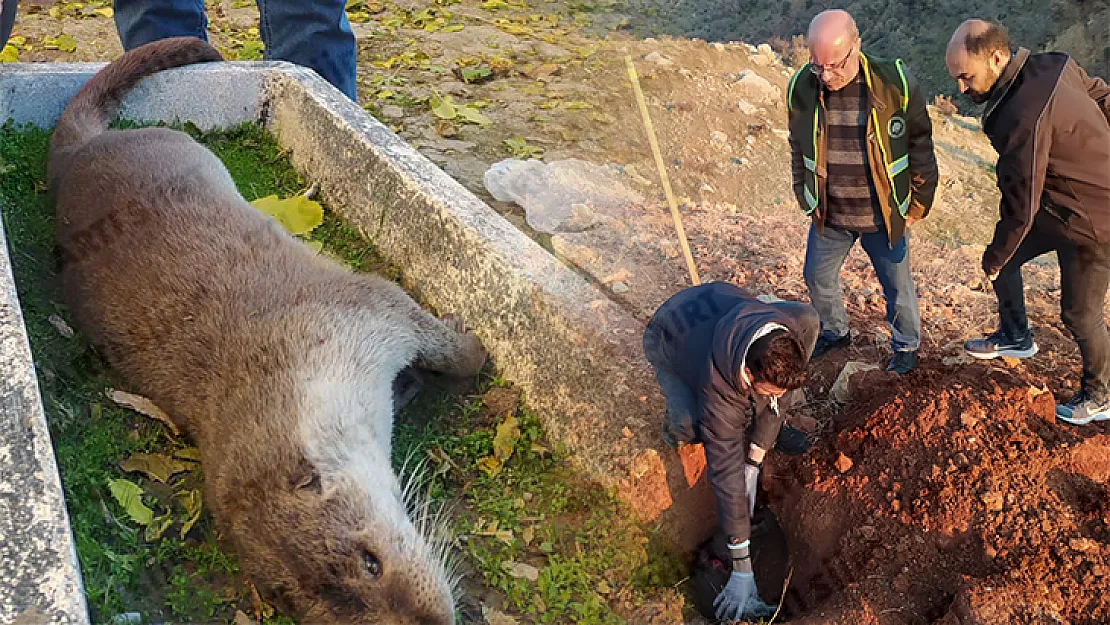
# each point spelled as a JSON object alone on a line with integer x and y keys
{"x": 898, "y": 125}
{"x": 1050, "y": 124}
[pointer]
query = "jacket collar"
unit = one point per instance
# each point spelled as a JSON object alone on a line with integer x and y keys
{"x": 1006, "y": 80}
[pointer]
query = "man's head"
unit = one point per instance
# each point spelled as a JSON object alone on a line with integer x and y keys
{"x": 976, "y": 56}
{"x": 834, "y": 48}
{"x": 776, "y": 364}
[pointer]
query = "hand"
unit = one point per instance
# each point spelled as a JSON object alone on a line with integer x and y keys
{"x": 911, "y": 221}
{"x": 751, "y": 481}
{"x": 740, "y": 598}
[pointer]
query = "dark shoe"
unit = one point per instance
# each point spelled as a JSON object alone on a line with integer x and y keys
{"x": 825, "y": 345}
{"x": 902, "y": 362}
{"x": 998, "y": 344}
{"x": 792, "y": 441}
{"x": 668, "y": 436}
{"x": 1082, "y": 409}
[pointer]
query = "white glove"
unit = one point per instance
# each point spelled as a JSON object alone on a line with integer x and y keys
{"x": 740, "y": 598}
{"x": 751, "y": 482}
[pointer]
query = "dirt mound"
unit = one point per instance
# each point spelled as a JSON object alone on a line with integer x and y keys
{"x": 948, "y": 497}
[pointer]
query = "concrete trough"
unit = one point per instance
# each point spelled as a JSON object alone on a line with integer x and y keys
{"x": 574, "y": 352}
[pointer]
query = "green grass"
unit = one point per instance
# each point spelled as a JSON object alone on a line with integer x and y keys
{"x": 594, "y": 564}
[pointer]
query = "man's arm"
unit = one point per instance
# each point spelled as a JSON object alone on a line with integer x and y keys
{"x": 797, "y": 167}
{"x": 1096, "y": 88}
{"x": 1021, "y": 170}
{"x": 923, "y": 162}
{"x": 724, "y": 419}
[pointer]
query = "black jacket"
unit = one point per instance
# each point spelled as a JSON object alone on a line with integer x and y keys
{"x": 706, "y": 331}
{"x": 1050, "y": 124}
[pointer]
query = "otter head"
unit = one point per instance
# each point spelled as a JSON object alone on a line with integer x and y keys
{"x": 338, "y": 546}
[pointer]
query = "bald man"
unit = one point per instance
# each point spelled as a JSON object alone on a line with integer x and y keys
{"x": 1050, "y": 124}
{"x": 864, "y": 170}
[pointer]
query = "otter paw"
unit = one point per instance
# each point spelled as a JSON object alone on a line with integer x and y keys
{"x": 475, "y": 354}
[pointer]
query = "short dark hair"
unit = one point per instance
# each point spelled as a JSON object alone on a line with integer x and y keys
{"x": 990, "y": 40}
{"x": 777, "y": 359}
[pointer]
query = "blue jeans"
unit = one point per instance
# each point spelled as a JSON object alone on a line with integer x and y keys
{"x": 311, "y": 33}
{"x": 825, "y": 254}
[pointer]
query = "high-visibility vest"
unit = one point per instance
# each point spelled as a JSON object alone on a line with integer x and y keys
{"x": 888, "y": 102}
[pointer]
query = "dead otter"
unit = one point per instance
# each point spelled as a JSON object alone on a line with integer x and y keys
{"x": 277, "y": 362}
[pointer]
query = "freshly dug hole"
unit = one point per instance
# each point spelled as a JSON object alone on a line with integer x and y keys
{"x": 965, "y": 504}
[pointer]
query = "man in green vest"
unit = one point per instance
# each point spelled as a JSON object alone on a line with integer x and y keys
{"x": 864, "y": 169}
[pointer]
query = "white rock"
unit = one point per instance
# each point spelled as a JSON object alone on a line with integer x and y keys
{"x": 747, "y": 108}
{"x": 619, "y": 287}
{"x": 757, "y": 87}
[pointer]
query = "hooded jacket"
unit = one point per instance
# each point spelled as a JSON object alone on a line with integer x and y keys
{"x": 706, "y": 331}
{"x": 1050, "y": 124}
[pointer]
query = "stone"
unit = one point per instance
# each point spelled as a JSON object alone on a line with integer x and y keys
{"x": 658, "y": 59}
{"x": 619, "y": 287}
{"x": 392, "y": 111}
{"x": 757, "y": 87}
{"x": 718, "y": 137}
{"x": 843, "y": 463}
{"x": 747, "y": 108}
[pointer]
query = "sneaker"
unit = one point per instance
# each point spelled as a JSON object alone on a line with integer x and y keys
{"x": 792, "y": 441}
{"x": 902, "y": 362}
{"x": 1082, "y": 409}
{"x": 825, "y": 345}
{"x": 997, "y": 344}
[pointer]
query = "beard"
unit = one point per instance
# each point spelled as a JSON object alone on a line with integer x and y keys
{"x": 980, "y": 97}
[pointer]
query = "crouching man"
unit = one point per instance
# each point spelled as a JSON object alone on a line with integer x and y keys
{"x": 723, "y": 358}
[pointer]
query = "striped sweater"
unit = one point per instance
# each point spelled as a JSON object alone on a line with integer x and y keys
{"x": 853, "y": 202}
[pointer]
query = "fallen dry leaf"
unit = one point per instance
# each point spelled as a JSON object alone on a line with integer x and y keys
{"x": 497, "y": 617}
{"x": 156, "y": 466}
{"x": 501, "y": 401}
{"x": 520, "y": 570}
{"x": 143, "y": 406}
{"x": 61, "y": 326}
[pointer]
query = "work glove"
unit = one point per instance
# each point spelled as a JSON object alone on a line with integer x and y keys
{"x": 740, "y": 598}
{"x": 751, "y": 482}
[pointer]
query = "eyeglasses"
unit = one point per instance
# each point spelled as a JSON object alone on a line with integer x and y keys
{"x": 835, "y": 67}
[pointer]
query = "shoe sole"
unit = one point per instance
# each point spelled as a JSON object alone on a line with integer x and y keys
{"x": 1100, "y": 416}
{"x": 1006, "y": 353}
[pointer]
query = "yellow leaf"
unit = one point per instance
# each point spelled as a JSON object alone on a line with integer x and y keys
{"x": 490, "y": 465}
{"x": 63, "y": 42}
{"x": 578, "y": 104}
{"x": 472, "y": 115}
{"x": 106, "y": 12}
{"x": 129, "y": 495}
{"x": 297, "y": 214}
{"x": 157, "y": 527}
{"x": 154, "y": 466}
{"x": 191, "y": 454}
{"x": 10, "y": 54}
{"x": 508, "y": 433}
{"x": 442, "y": 107}
{"x": 191, "y": 502}
{"x": 452, "y": 28}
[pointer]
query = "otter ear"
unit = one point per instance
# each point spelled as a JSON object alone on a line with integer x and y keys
{"x": 305, "y": 477}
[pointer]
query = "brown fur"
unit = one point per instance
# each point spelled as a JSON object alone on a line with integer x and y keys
{"x": 278, "y": 364}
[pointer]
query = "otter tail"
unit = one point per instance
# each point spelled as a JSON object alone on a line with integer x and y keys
{"x": 90, "y": 111}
